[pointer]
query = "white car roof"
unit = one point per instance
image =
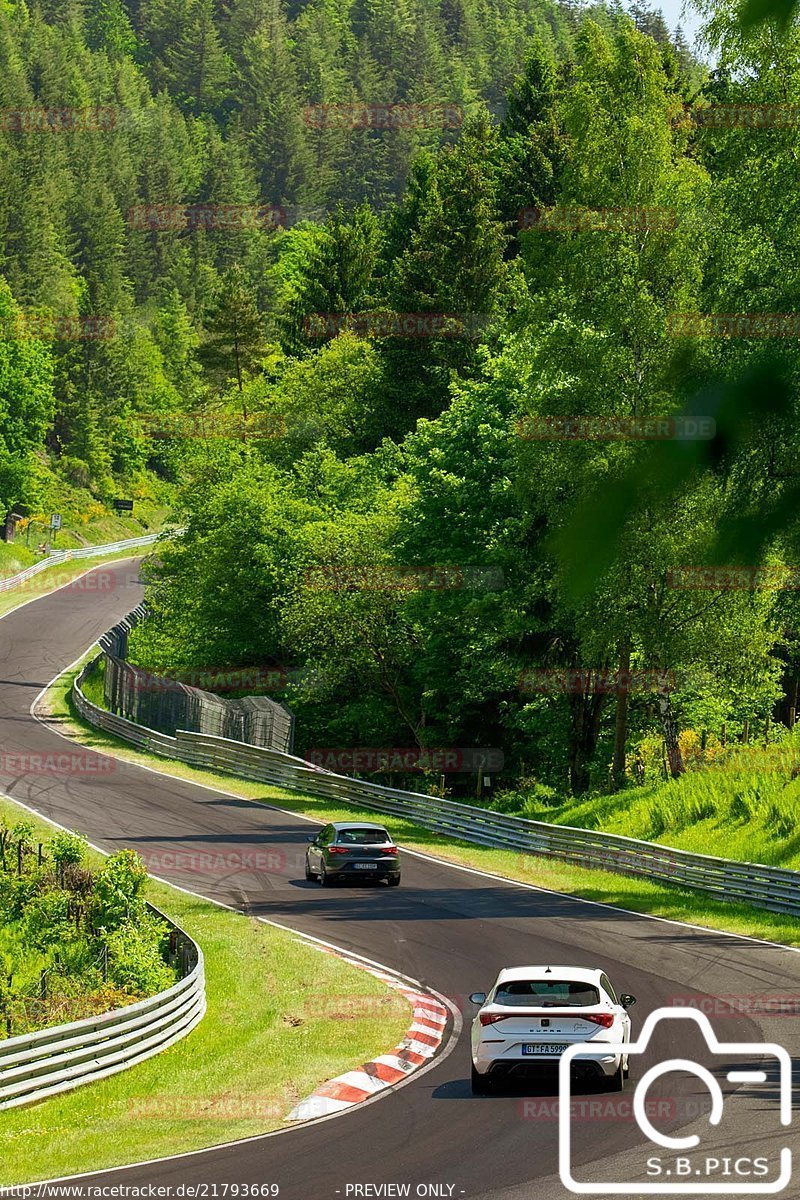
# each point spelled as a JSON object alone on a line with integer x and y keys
{"x": 572, "y": 974}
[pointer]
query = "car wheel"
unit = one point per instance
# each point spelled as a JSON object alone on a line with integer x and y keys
{"x": 309, "y": 872}
{"x": 481, "y": 1085}
{"x": 394, "y": 881}
{"x": 615, "y": 1082}
{"x": 324, "y": 877}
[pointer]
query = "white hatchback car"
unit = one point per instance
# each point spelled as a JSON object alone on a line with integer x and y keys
{"x": 531, "y": 1016}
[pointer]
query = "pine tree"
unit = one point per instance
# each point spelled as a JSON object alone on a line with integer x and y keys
{"x": 234, "y": 329}
{"x": 196, "y": 68}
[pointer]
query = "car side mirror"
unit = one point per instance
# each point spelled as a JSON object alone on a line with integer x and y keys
{"x": 478, "y": 997}
{"x": 626, "y": 1001}
{"x": 313, "y": 838}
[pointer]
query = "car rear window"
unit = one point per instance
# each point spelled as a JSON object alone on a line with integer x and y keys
{"x": 559, "y": 993}
{"x": 362, "y": 837}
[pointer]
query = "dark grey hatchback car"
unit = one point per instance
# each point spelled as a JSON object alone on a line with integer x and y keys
{"x": 346, "y": 851}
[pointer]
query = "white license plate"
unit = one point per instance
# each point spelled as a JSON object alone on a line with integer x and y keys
{"x": 365, "y": 866}
{"x": 544, "y": 1048}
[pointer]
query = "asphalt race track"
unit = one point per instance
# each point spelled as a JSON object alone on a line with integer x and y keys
{"x": 451, "y": 929}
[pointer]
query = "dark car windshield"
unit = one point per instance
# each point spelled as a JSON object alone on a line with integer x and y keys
{"x": 362, "y": 837}
{"x": 543, "y": 993}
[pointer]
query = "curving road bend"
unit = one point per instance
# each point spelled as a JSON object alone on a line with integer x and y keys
{"x": 450, "y": 928}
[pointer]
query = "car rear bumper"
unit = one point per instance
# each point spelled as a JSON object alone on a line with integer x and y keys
{"x": 596, "y": 1066}
{"x": 381, "y": 870}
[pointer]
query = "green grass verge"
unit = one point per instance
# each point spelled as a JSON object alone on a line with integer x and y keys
{"x": 274, "y": 1030}
{"x": 107, "y": 526}
{"x": 55, "y": 577}
{"x": 744, "y": 806}
{"x": 638, "y": 895}
{"x": 15, "y": 557}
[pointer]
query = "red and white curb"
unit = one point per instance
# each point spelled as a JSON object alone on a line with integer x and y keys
{"x": 421, "y": 1042}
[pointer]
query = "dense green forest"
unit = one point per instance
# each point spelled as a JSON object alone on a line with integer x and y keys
{"x": 349, "y": 386}
{"x": 119, "y": 123}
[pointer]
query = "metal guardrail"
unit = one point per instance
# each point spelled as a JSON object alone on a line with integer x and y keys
{"x": 56, "y": 557}
{"x": 36, "y": 1065}
{"x": 773, "y": 888}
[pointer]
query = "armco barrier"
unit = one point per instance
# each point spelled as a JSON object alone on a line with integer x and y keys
{"x": 765, "y": 887}
{"x": 62, "y": 556}
{"x": 36, "y": 1065}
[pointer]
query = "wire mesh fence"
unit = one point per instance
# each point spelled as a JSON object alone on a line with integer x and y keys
{"x": 166, "y": 704}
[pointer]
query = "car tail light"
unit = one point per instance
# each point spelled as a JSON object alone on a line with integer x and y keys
{"x": 338, "y": 849}
{"x": 492, "y": 1018}
{"x": 604, "y": 1019}
{"x": 389, "y": 849}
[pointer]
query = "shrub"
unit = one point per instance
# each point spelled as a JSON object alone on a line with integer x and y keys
{"x": 47, "y": 919}
{"x": 136, "y": 956}
{"x": 67, "y": 850}
{"x": 63, "y": 929}
{"x": 117, "y": 896}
